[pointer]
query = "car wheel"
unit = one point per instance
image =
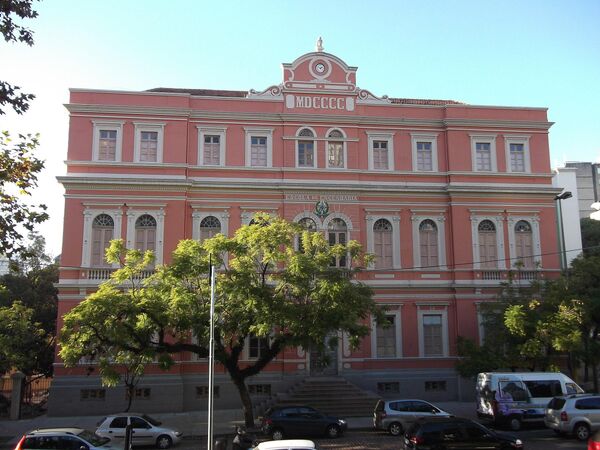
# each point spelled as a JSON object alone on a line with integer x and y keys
{"x": 395, "y": 429}
{"x": 333, "y": 431}
{"x": 277, "y": 434}
{"x": 514, "y": 423}
{"x": 581, "y": 431}
{"x": 164, "y": 441}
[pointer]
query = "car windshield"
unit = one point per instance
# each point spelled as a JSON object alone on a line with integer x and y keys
{"x": 93, "y": 438}
{"x": 149, "y": 419}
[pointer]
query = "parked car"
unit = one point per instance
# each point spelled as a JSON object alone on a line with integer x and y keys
{"x": 287, "y": 444}
{"x": 64, "y": 439}
{"x": 396, "y": 416}
{"x": 146, "y": 430}
{"x": 444, "y": 433}
{"x": 577, "y": 414}
{"x": 283, "y": 421}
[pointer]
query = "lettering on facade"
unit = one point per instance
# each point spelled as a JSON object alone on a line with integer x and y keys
{"x": 299, "y": 196}
{"x": 319, "y": 102}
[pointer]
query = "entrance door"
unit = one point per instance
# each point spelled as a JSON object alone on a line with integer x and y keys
{"x": 325, "y": 362}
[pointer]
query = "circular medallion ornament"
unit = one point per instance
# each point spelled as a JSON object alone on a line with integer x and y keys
{"x": 320, "y": 68}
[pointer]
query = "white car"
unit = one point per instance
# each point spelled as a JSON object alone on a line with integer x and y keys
{"x": 145, "y": 430}
{"x": 64, "y": 438}
{"x": 287, "y": 444}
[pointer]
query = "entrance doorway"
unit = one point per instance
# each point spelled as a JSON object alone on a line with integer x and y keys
{"x": 325, "y": 362}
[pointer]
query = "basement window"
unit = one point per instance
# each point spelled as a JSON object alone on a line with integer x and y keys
{"x": 259, "y": 389}
{"x": 388, "y": 387}
{"x": 435, "y": 386}
{"x": 92, "y": 394}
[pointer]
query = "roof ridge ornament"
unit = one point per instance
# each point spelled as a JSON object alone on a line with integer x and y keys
{"x": 319, "y": 46}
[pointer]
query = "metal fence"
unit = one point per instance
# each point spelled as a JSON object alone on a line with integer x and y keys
{"x": 33, "y": 399}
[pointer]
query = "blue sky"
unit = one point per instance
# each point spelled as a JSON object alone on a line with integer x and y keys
{"x": 516, "y": 53}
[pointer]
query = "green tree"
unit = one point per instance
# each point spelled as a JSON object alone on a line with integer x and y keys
{"x": 24, "y": 344}
{"x": 590, "y": 236}
{"x": 265, "y": 288}
{"x": 10, "y": 10}
{"x": 18, "y": 165}
{"x": 30, "y": 284}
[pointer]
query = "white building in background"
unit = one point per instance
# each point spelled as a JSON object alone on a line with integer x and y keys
{"x": 588, "y": 186}
{"x": 566, "y": 178}
{"x": 4, "y": 263}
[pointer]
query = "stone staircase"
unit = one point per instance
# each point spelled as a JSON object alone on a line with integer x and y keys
{"x": 331, "y": 395}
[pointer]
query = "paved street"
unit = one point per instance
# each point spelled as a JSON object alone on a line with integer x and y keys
{"x": 534, "y": 439}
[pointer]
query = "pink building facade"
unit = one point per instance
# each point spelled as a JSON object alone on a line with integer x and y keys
{"x": 448, "y": 196}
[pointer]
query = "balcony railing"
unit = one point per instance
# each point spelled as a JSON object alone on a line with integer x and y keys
{"x": 502, "y": 275}
{"x": 103, "y": 274}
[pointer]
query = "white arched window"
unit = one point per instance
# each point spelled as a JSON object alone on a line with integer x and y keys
{"x": 305, "y": 149}
{"x": 145, "y": 233}
{"x": 209, "y": 227}
{"x": 428, "y": 243}
{"x": 102, "y": 232}
{"x": 336, "y": 155}
{"x": 488, "y": 254}
{"x": 382, "y": 240}
{"x": 524, "y": 243}
{"x": 309, "y": 225}
{"x": 337, "y": 234}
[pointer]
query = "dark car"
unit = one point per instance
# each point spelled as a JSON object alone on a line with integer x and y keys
{"x": 449, "y": 433}
{"x": 301, "y": 421}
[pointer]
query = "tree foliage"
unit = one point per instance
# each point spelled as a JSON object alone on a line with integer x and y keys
{"x": 18, "y": 165}
{"x": 28, "y": 298}
{"x": 12, "y": 31}
{"x": 265, "y": 288}
{"x": 590, "y": 236}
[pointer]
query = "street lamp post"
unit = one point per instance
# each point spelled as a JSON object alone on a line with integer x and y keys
{"x": 563, "y": 251}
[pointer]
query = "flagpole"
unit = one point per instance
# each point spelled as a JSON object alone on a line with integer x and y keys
{"x": 211, "y": 357}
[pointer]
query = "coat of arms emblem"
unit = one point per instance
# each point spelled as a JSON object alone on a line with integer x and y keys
{"x": 322, "y": 209}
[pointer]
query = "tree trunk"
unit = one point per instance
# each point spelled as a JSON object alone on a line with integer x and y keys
{"x": 130, "y": 390}
{"x": 246, "y": 401}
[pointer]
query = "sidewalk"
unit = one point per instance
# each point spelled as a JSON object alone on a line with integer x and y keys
{"x": 193, "y": 424}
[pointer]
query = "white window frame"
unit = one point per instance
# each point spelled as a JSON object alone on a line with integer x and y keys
{"x": 259, "y": 132}
{"x": 337, "y": 140}
{"x": 315, "y": 147}
{"x": 397, "y": 325}
{"x": 247, "y": 347}
{"x": 159, "y": 216}
{"x": 534, "y": 221}
{"x": 211, "y": 131}
{"x": 373, "y": 136}
{"x": 433, "y": 310}
{"x": 526, "y": 153}
{"x": 499, "y": 224}
{"x": 89, "y": 214}
{"x": 199, "y": 216}
{"x": 425, "y": 137}
{"x": 140, "y": 127}
{"x": 395, "y": 221}
{"x": 484, "y": 139}
{"x": 108, "y": 125}
{"x": 439, "y": 222}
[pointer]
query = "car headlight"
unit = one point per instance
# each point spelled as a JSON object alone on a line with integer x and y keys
{"x": 518, "y": 442}
{"x": 342, "y": 421}
{"x": 178, "y": 433}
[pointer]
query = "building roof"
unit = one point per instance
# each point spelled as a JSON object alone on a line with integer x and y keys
{"x": 243, "y": 94}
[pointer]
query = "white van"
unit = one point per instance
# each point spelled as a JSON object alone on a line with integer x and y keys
{"x": 511, "y": 398}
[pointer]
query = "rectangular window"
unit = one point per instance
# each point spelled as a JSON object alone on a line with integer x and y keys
{"x": 424, "y": 156}
{"x": 259, "y": 389}
{"x": 212, "y": 150}
{"x": 388, "y": 387}
{"x": 380, "y": 155}
{"x": 258, "y": 151}
{"x": 335, "y": 154}
{"x": 306, "y": 152}
{"x": 140, "y": 394}
{"x": 149, "y": 146}
{"x": 483, "y": 156}
{"x": 107, "y": 150}
{"x": 92, "y": 394}
{"x": 386, "y": 338}
{"x": 517, "y": 158}
{"x": 435, "y": 386}
{"x": 202, "y": 391}
{"x": 432, "y": 335}
{"x": 257, "y": 346}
